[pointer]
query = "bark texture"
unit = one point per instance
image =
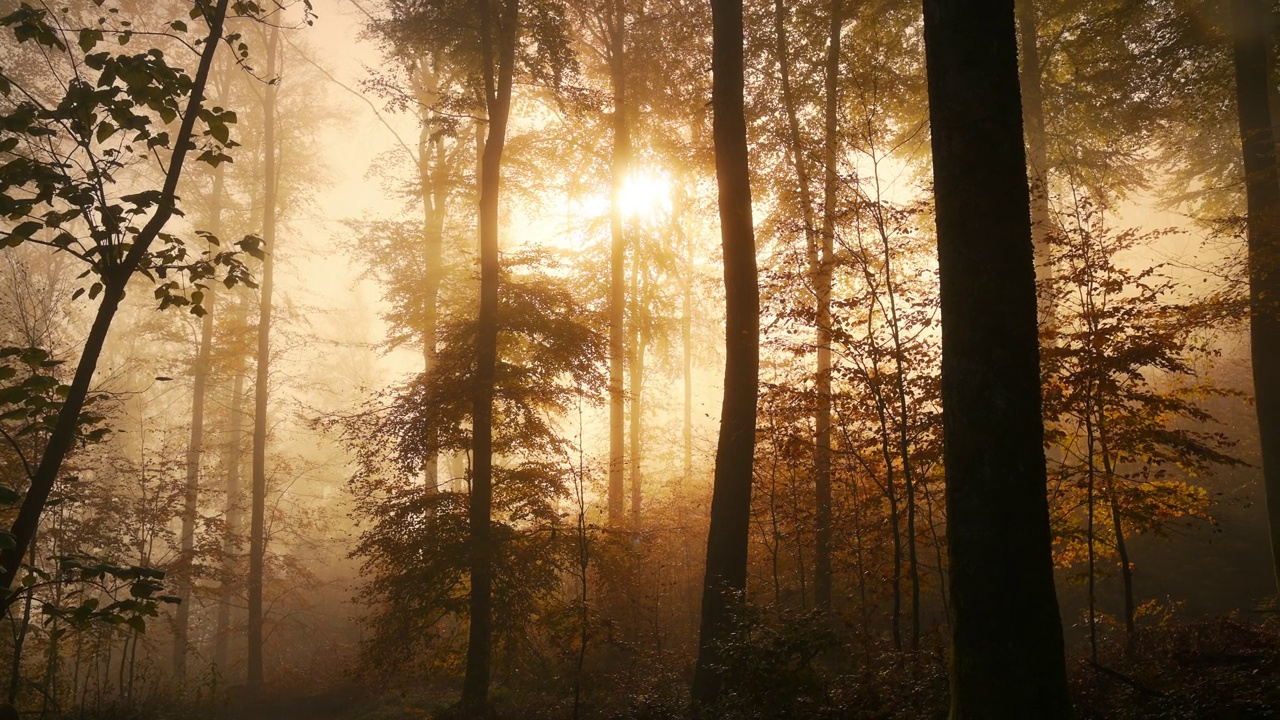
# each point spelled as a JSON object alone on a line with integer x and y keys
{"x": 1007, "y": 651}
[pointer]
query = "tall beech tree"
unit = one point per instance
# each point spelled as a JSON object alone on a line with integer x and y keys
{"x": 1007, "y": 649}
{"x": 1262, "y": 190}
{"x": 498, "y": 39}
{"x": 725, "y": 581}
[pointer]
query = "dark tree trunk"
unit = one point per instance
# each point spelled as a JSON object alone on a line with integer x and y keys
{"x": 1007, "y": 651}
{"x": 114, "y": 281}
{"x": 1262, "y": 188}
{"x": 258, "y": 493}
{"x": 726, "y": 571}
{"x": 500, "y": 31}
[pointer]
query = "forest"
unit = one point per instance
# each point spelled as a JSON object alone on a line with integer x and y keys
{"x": 611, "y": 359}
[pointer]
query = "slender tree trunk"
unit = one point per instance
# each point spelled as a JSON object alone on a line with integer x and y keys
{"x": 1122, "y": 548}
{"x": 1007, "y": 651}
{"x": 195, "y": 450}
{"x": 1262, "y": 188}
{"x": 433, "y": 184}
{"x": 15, "y": 672}
{"x": 818, "y": 252}
{"x": 904, "y": 452}
{"x": 821, "y": 273}
{"x": 502, "y": 32}
{"x": 258, "y": 500}
{"x": 1030, "y": 81}
{"x": 617, "y": 27}
{"x": 114, "y": 280}
{"x": 639, "y": 340}
{"x": 726, "y": 570}
{"x": 1126, "y": 570}
{"x": 895, "y": 513}
{"x": 1090, "y": 534}
{"x": 686, "y": 350}
{"x": 233, "y": 514}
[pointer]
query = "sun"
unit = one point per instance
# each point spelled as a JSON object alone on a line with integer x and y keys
{"x": 645, "y": 195}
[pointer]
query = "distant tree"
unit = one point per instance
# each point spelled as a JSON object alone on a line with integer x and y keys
{"x": 726, "y": 574}
{"x": 261, "y": 388}
{"x": 1007, "y": 651}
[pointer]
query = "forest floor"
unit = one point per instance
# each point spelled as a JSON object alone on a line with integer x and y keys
{"x": 1223, "y": 669}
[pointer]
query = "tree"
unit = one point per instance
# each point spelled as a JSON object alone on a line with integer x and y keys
{"x": 115, "y": 249}
{"x": 615, "y": 32}
{"x": 1262, "y": 190}
{"x": 1007, "y": 651}
{"x": 725, "y": 580}
{"x": 261, "y": 389}
{"x": 415, "y": 545}
{"x": 195, "y": 449}
{"x": 1117, "y": 398}
{"x": 498, "y": 50}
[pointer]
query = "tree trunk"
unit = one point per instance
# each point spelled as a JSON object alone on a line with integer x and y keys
{"x": 617, "y": 257}
{"x": 234, "y": 515}
{"x": 475, "y": 686}
{"x": 686, "y": 350}
{"x": 1126, "y": 570}
{"x": 1007, "y": 650}
{"x": 1262, "y": 188}
{"x": 904, "y": 444}
{"x": 726, "y": 570}
{"x": 1030, "y": 81}
{"x": 821, "y": 273}
{"x": 195, "y": 449}
{"x": 895, "y": 514}
{"x": 258, "y": 504}
{"x": 114, "y": 281}
{"x": 639, "y": 340}
{"x": 433, "y": 185}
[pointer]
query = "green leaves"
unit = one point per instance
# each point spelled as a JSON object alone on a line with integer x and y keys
{"x": 63, "y": 143}
{"x": 32, "y": 394}
{"x": 89, "y": 39}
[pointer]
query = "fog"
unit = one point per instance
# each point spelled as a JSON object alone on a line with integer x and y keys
{"x": 292, "y": 390}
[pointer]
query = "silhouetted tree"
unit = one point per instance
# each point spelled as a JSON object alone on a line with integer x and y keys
{"x": 726, "y": 575}
{"x": 1007, "y": 652}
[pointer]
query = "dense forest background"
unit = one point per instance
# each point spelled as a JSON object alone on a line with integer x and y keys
{"x": 361, "y": 355}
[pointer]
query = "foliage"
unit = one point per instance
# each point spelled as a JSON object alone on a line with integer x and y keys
{"x": 768, "y": 662}
{"x": 1122, "y": 399}
{"x": 65, "y": 184}
{"x": 415, "y": 545}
